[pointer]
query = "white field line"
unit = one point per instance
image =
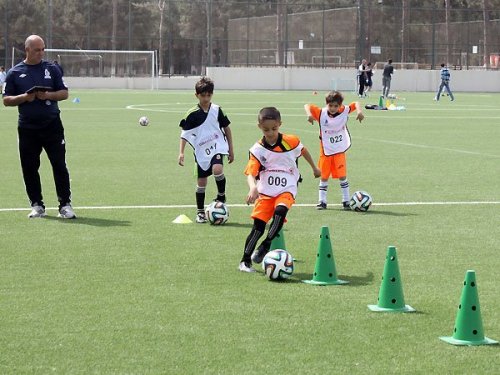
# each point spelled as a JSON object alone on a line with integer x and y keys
{"x": 175, "y": 206}
{"x": 429, "y": 147}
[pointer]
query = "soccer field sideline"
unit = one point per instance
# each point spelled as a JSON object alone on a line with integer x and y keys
{"x": 169, "y": 206}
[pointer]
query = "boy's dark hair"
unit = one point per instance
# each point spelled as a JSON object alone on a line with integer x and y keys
{"x": 442, "y": 65}
{"x": 334, "y": 97}
{"x": 389, "y": 61}
{"x": 205, "y": 84}
{"x": 269, "y": 113}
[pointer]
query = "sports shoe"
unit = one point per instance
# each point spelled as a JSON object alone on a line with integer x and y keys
{"x": 37, "y": 211}
{"x": 246, "y": 267}
{"x": 201, "y": 218}
{"x": 66, "y": 212}
{"x": 220, "y": 198}
{"x": 321, "y": 206}
{"x": 259, "y": 254}
{"x": 345, "y": 206}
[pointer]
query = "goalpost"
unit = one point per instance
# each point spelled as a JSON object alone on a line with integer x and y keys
{"x": 105, "y": 63}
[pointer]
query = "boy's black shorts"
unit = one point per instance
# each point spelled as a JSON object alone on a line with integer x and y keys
{"x": 217, "y": 159}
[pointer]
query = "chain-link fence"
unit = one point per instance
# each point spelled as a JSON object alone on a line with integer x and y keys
{"x": 188, "y": 35}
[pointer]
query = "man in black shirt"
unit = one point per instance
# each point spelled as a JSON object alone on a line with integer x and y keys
{"x": 386, "y": 78}
{"x": 35, "y": 86}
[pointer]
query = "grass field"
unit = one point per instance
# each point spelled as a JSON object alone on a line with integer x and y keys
{"x": 123, "y": 290}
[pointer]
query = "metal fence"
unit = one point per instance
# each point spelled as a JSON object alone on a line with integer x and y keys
{"x": 195, "y": 34}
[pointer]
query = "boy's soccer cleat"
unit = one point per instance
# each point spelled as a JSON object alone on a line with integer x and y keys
{"x": 201, "y": 218}
{"x": 259, "y": 254}
{"x": 321, "y": 206}
{"x": 345, "y": 206}
{"x": 220, "y": 198}
{"x": 66, "y": 212}
{"x": 37, "y": 211}
{"x": 246, "y": 267}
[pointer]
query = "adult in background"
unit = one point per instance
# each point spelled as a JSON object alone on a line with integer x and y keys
{"x": 369, "y": 75}
{"x": 35, "y": 86}
{"x": 362, "y": 78}
{"x": 2, "y": 76}
{"x": 386, "y": 78}
{"x": 445, "y": 82}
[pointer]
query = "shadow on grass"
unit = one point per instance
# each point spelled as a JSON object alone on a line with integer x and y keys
{"x": 236, "y": 225}
{"x": 358, "y": 280}
{"x": 91, "y": 221}
{"x": 376, "y": 211}
{"x": 386, "y": 213}
{"x": 353, "y": 280}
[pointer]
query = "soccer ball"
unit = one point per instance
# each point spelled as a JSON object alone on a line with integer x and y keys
{"x": 144, "y": 121}
{"x": 278, "y": 264}
{"x": 360, "y": 201}
{"x": 217, "y": 213}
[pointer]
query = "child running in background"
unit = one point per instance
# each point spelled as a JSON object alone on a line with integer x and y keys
{"x": 273, "y": 177}
{"x": 206, "y": 128}
{"x": 335, "y": 140}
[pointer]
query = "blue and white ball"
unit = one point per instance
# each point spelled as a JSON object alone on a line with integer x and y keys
{"x": 360, "y": 201}
{"x": 144, "y": 121}
{"x": 217, "y": 213}
{"x": 278, "y": 264}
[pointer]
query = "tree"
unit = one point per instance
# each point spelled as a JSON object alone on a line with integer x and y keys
{"x": 447, "y": 31}
{"x": 486, "y": 33}
{"x": 404, "y": 20}
{"x": 280, "y": 21}
{"x": 161, "y": 7}
{"x": 114, "y": 4}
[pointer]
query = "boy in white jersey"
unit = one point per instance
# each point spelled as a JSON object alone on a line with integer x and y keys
{"x": 272, "y": 176}
{"x": 206, "y": 128}
{"x": 335, "y": 140}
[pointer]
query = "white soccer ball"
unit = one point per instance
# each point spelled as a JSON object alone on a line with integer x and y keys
{"x": 217, "y": 213}
{"x": 144, "y": 121}
{"x": 278, "y": 264}
{"x": 360, "y": 201}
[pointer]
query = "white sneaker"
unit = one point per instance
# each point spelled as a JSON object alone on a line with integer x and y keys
{"x": 37, "y": 211}
{"x": 66, "y": 212}
{"x": 245, "y": 268}
{"x": 201, "y": 218}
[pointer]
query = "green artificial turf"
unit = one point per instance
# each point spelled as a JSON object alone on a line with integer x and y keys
{"x": 123, "y": 290}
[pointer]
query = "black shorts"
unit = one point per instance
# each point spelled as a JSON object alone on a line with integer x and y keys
{"x": 217, "y": 159}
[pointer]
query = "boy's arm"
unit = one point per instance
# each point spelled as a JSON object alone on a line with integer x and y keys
{"x": 312, "y": 112}
{"x": 182, "y": 147}
{"x": 229, "y": 136}
{"x": 359, "y": 111}
{"x": 252, "y": 171}
{"x": 253, "y": 194}
{"x": 309, "y": 159}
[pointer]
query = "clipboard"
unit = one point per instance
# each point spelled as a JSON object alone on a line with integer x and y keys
{"x": 38, "y": 88}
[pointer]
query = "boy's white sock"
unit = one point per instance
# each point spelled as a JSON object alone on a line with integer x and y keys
{"x": 344, "y": 186}
{"x": 323, "y": 189}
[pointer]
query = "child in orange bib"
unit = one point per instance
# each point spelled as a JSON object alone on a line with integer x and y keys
{"x": 335, "y": 140}
{"x": 272, "y": 176}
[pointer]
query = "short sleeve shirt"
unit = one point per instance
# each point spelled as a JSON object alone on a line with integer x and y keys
{"x": 21, "y": 78}
{"x": 197, "y": 116}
